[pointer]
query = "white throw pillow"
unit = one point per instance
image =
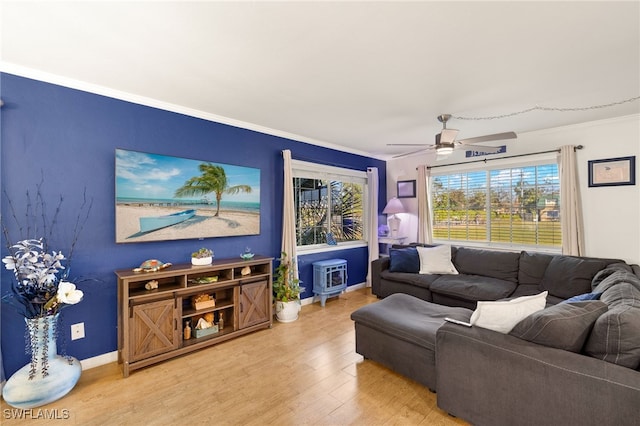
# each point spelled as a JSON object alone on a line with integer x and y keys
{"x": 502, "y": 316}
{"x": 436, "y": 260}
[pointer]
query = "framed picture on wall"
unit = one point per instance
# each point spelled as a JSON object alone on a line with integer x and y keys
{"x": 406, "y": 189}
{"x": 160, "y": 198}
{"x": 612, "y": 171}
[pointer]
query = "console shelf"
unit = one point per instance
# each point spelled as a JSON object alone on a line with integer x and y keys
{"x": 151, "y": 322}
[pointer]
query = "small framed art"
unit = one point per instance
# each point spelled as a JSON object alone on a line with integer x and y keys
{"x": 406, "y": 189}
{"x": 612, "y": 171}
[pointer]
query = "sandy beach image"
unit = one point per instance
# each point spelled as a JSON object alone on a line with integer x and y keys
{"x": 203, "y": 224}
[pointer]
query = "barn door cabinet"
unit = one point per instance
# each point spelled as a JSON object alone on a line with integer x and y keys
{"x": 151, "y": 322}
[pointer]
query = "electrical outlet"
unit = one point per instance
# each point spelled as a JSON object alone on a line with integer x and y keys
{"x": 77, "y": 331}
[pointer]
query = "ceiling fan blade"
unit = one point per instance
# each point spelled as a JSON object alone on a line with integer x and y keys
{"x": 487, "y": 138}
{"x": 409, "y": 144}
{"x": 406, "y": 154}
{"x": 480, "y": 148}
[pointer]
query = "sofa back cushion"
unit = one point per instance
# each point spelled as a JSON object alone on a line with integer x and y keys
{"x": 568, "y": 276}
{"x": 616, "y": 334}
{"x": 563, "y": 326}
{"x": 532, "y": 267}
{"x": 489, "y": 263}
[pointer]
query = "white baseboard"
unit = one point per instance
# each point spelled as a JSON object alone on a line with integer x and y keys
{"x": 99, "y": 360}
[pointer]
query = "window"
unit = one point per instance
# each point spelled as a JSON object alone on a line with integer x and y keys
{"x": 328, "y": 200}
{"x": 517, "y": 206}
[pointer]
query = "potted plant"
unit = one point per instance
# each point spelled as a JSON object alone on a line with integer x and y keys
{"x": 203, "y": 256}
{"x": 286, "y": 291}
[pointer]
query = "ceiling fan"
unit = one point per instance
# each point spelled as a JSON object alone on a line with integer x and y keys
{"x": 446, "y": 141}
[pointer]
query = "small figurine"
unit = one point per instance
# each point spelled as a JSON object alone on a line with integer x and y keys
{"x": 203, "y": 324}
{"x": 153, "y": 284}
{"x": 151, "y": 265}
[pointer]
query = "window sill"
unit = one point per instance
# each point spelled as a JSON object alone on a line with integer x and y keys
{"x": 301, "y": 251}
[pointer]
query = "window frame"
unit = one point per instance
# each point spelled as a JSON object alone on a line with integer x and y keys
{"x": 496, "y": 164}
{"x": 308, "y": 170}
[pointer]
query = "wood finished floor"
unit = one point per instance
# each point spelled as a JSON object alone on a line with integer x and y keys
{"x": 301, "y": 373}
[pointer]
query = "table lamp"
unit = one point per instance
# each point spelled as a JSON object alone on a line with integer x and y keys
{"x": 393, "y": 206}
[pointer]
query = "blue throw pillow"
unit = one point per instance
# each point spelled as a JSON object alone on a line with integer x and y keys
{"x": 583, "y": 297}
{"x": 404, "y": 260}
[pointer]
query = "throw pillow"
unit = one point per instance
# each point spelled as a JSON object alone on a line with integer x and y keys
{"x": 583, "y": 297}
{"x": 567, "y": 276}
{"x": 404, "y": 260}
{"x": 563, "y": 326}
{"x": 436, "y": 260}
{"x": 502, "y": 316}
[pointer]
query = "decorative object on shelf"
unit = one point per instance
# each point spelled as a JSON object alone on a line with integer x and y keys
{"x": 612, "y": 171}
{"x": 203, "y": 256}
{"x": 202, "y": 301}
{"x": 286, "y": 289}
{"x": 204, "y": 328}
{"x": 331, "y": 240}
{"x": 221, "y": 320}
{"x": 247, "y": 254}
{"x": 151, "y": 265}
{"x": 204, "y": 280}
{"x": 393, "y": 206}
{"x": 39, "y": 295}
{"x": 187, "y": 330}
{"x": 245, "y": 271}
{"x": 151, "y": 285}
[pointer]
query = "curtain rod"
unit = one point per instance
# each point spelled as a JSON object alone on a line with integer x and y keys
{"x": 484, "y": 160}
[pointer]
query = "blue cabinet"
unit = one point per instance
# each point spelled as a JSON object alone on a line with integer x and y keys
{"x": 329, "y": 278}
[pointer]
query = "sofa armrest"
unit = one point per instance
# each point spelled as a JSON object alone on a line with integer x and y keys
{"x": 491, "y": 378}
{"x": 377, "y": 266}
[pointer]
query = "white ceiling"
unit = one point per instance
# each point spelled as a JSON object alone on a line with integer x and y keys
{"x": 354, "y": 74}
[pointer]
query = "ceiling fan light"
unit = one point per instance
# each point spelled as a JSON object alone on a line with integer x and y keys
{"x": 444, "y": 149}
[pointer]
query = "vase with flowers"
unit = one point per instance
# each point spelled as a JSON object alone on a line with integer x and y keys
{"x": 40, "y": 292}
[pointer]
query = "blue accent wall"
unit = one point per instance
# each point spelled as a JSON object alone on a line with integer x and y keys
{"x": 67, "y": 138}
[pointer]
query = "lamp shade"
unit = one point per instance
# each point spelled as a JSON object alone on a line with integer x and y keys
{"x": 393, "y": 206}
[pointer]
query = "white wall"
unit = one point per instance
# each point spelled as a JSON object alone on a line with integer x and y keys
{"x": 611, "y": 214}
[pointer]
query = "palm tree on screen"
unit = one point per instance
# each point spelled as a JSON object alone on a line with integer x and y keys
{"x": 212, "y": 180}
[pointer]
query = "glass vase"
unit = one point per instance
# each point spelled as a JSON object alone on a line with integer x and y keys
{"x": 49, "y": 376}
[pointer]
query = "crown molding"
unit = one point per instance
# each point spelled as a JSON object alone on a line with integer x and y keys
{"x": 59, "y": 80}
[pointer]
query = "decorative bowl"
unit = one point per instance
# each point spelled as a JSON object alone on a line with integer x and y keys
{"x": 247, "y": 256}
{"x": 200, "y": 261}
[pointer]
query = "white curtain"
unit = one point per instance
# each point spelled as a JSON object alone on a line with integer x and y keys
{"x": 288, "y": 214}
{"x": 372, "y": 231}
{"x": 570, "y": 207}
{"x": 425, "y": 227}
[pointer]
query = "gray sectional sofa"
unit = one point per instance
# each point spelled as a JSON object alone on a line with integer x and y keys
{"x": 569, "y": 363}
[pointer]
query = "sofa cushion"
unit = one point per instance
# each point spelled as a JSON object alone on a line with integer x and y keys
{"x": 616, "y": 334}
{"x": 532, "y": 267}
{"x": 489, "y": 263}
{"x": 413, "y": 279}
{"x": 408, "y": 318}
{"x": 472, "y": 287}
{"x": 568, "y": 276}
{"x": 502, "y": 316}
{"x": 436, "y": 260}
{"x": 563, "y": 326}
{"x": 404, "y": 260}
{"x": 616, "y": 337}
